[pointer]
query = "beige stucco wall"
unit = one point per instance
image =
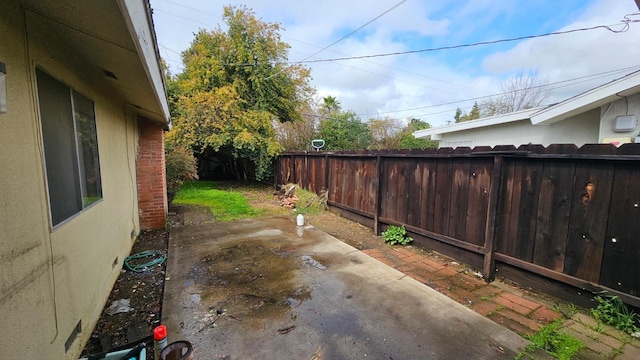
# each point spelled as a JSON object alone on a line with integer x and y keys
{"x": 581, "y": 129}
{"x": 622, "y": 106}
{"x": 52, "y": 278}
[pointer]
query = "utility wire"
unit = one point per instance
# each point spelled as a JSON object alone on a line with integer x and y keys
{"x": 589, "y": 77}
{"x": 342, "y": 38}
{"x": 625, "y": 27}
{"x": 354, "y": 31}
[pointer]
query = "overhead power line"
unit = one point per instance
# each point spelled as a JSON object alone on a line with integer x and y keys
{"x": 625, "y": 27}
{"x": 354, "y": 31}
{"x": 564, "y": 82}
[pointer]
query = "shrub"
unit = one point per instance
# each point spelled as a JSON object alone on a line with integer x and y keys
{"x": 396, "y": 235}
{"x": 181, "y": 166}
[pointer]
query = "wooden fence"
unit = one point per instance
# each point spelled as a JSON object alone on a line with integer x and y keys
{"x": 561, "y": 214}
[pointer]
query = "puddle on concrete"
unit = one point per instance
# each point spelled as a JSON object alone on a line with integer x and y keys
{"x": 252, "y": 279}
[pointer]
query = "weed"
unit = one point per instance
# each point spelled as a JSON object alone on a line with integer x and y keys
{"x": 566, "y": 309}
{"x": 557, "y": 344}
{"x": 396, "y": 235}
{"x": 612, "y": 311}
{"x": 309, "y": 203}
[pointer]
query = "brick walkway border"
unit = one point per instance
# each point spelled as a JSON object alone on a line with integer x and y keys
{"x": 520, "y": 310}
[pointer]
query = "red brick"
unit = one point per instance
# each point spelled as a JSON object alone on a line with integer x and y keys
{"x": 446, "y": 271}
{"x": 402, "y": 253}
{"x": 464, "y": 297}
{"x": 487, "y": 291}
{"x": 485, "y": 308}
{"x": 468, "y": 282}
{"x": 545, "y": 315}
{"x": 374, "y": 253}
{"x": 433, "y": 263}
{"x": 514, "y": 321}
{"x": 516, "y": 304}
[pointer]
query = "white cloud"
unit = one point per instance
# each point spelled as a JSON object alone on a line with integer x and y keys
{"x": 419, "y": 81}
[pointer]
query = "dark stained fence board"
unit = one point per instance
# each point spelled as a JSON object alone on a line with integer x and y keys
{"x": 414, "y": 193}
{"x": 427, "y": 194}
{"x": 458, "y": 201}
{"x": 390, "y": 195}
{"x": 554, "y": 208}
{"x": 334, "y": 188}
{"x": 587, "y": 225}
{"x": 479, "y": 189}
{"x": 442, "y": 196}
{"x": 529, "y": 184}
{"x": 622, "y": 242}
{"x": 401, "y": 192}
{"x": 357, "y": 184}
{"x": 508, "y": 209}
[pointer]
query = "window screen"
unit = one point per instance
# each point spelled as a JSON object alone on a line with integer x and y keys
{"x": 70, "y": 148}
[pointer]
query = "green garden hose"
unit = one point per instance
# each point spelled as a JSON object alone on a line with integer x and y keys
{"x": 159, "y": 258}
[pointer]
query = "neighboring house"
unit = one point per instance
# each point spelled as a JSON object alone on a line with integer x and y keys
{"x": 82, "y": 164}
{"x": 605, "y": 114}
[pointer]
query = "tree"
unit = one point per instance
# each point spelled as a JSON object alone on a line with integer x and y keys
{"x": 461, "y": 116}
{"x": 298, "y": 134}
{"x": 408, "y": 141}
{"x": 342, "y": 130}
{"x": 384, "y": 133}
{"x": 523, "y": 91}
{"x": 235, "y": 85}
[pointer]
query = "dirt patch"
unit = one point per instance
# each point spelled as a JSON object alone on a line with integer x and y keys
{"x": 144, "y": 290}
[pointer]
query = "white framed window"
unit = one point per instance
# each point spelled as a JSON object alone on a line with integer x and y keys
{"x": 70, "y": 148}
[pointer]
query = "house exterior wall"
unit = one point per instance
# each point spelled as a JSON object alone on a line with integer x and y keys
{"x": 623, "y": 106}
{"x": 52, "y": 278}
{"x": 581, "y": 129}
{"x": 151, "y": 176}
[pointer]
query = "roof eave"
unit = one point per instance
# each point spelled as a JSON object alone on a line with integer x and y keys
{"x": 137, "y": 16}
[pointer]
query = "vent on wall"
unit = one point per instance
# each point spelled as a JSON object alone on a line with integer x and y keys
{"x": 625, "y": 123}
{"x": 73, "y": 336}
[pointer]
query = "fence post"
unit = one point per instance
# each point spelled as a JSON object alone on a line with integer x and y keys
{"x": 376, "y": 215}
{"x": 294, "y": 180}
{"x": 489, "y": 268}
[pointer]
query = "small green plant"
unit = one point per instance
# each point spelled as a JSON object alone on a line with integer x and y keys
{"x": 396, "y": 235}
{"x": 612, "y": 311}
{"x": 557, "y": 344}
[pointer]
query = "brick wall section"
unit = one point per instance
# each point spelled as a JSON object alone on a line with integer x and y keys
{"x": 151, "y": 176}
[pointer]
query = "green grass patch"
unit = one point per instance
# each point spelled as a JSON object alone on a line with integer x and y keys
{"x": 224, "y": 204}
{"x": 557, "y": 344}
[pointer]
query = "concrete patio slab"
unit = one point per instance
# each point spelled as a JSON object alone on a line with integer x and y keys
{"x": 266, "y": 289}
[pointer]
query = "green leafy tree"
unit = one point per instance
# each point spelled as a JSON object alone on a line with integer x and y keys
{"x": 235, "y": 85}
{"x": 342, "y": 130}
{"x": 461, "y": 116}
{"x": 408, "y": 141}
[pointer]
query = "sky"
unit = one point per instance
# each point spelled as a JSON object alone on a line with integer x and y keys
{"x": 428, "y": 85}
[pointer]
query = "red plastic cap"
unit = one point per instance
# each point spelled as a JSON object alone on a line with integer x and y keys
{"x": 160, "y": 332}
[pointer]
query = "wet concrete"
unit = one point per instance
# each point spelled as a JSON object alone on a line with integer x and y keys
{"x": 266, "y": 289}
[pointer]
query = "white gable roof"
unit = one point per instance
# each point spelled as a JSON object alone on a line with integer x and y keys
{"x": 435, "y": 132}
{"x": 591, "y": 99}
